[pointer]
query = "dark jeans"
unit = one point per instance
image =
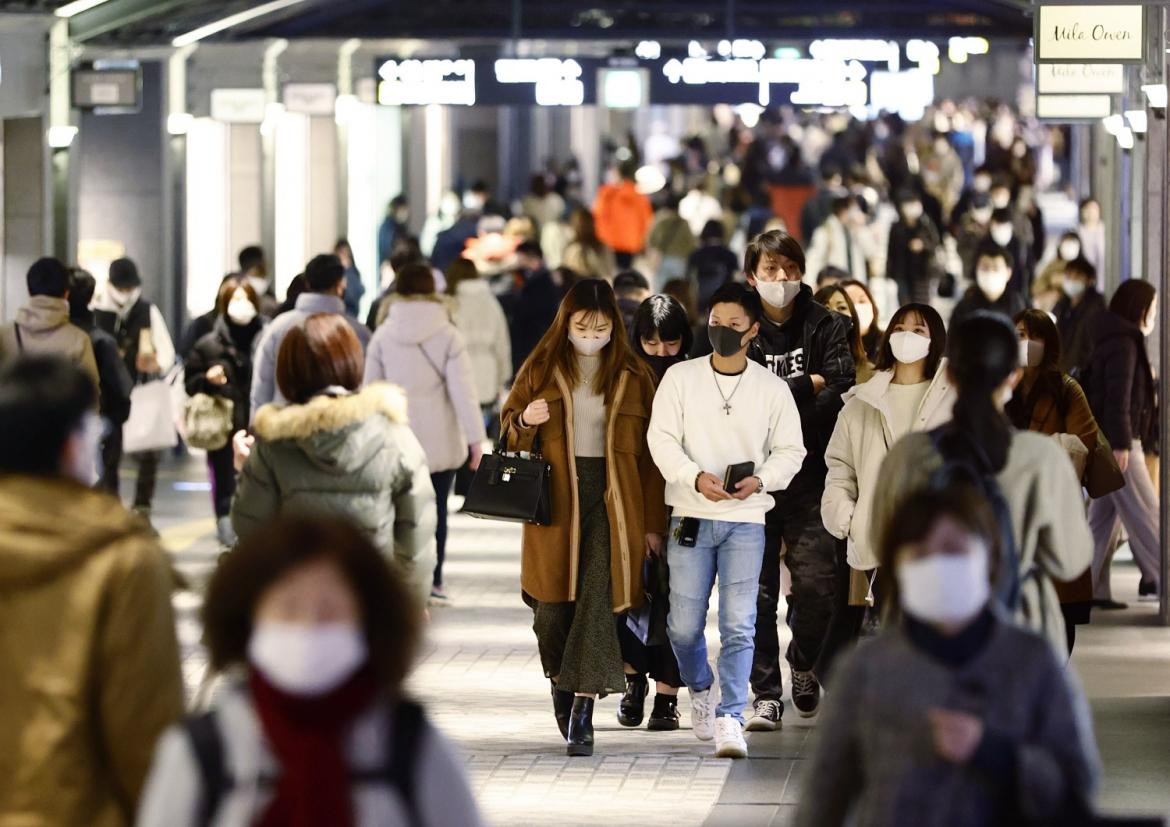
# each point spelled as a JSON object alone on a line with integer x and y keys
{"x": 847, "y": 621}
{"x": 222, "y": 473}
{"x": 147, "y": 478}
{"x": 111, "y": 459}
{"x": 811, "y": 557}
{"x": 656, "y": 661}
{"x": 147, "y": 470}
{"x": 442, "y": 482}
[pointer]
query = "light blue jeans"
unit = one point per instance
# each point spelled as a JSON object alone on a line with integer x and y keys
{"x": 734, "y": 552}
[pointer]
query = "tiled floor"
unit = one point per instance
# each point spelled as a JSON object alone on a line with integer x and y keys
{"x": 480, "y": 678}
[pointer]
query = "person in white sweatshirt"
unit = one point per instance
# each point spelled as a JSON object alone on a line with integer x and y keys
{"x": 909, "y": 392}
{"x": 710, "y": 414}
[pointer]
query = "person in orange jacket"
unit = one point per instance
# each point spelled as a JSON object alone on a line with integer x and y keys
{"x": 623, "y": 216}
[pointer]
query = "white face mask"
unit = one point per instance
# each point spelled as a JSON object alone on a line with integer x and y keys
{"x": 1073, "y": 288}
{"x": 307, "y": 660}
{"x": 993, "y": 283}
{"x": 589, "y": 347}
{"x": 1001, "y": 234}
{"x": 912, "y": 210}
{"x": 945, "y": 588}
{"x": 864, "y": 317}
{"x": 259, "y": 284}
{"x": 83, "y": 466}
{"x": 778, "y": 293}
{"x": 241, "y": 311}
{"x": 1031, "y": 353}
{"x": 981, "y": 183}
{"x": 121, "y": 298}
{"x": 1069, "y": 250}
{"x": 1148, "y": 325}
{"x": 1001, "y": 199}
{"x": 981, "y": 214}
{"x": 909, "y": 347}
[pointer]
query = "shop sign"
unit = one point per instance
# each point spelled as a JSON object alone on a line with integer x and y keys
{"x": 1069, "y": 108}
{"x": 1063, "y": 78}
{"x": 1090, "y": 34}
{"x": 316, "y": 99}
{"x": 238, "y": 105}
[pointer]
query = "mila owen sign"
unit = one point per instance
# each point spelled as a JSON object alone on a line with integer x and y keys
{"x": 1090, "y": 34}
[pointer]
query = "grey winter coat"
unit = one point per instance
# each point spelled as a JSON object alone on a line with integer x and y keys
{"x": 875, "y": 759}
{"x": 352, "y": 456}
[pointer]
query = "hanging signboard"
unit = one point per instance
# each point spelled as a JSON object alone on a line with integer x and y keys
{"x": 1090, "y": 34}
{"x": 1065, "y": 78}
{"x": 1069, "y": 108}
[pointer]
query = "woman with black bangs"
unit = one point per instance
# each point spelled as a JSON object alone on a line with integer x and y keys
{"x": 661, "y": 333}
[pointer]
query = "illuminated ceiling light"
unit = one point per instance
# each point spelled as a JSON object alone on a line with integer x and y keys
{"x": 1125, "y": 138}
{"x": 1137, "y": 120}
{"x": 77, "y": 7}
{"x": 195, "y": 35}
{"x": 648, "y": 50}
{"x": 978, "y": 45}
{"x": 179, "y": 123}
{"x": 749, "y": 113}
{"x": 695, "y": 49}
{"x": 1156, "y": 94}
{"x": 60, "y": 137}
{"x": 957, "y": 50}
{"x": 1113, "y": 123}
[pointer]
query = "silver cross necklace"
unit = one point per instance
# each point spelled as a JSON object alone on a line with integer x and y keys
{"x": 726, "y": 399}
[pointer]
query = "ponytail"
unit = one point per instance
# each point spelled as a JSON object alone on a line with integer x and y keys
{"x": 979, "y": 431}
{"x": 984, "y": 351}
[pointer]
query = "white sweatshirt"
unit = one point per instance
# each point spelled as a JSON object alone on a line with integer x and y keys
{"x": 691, "y": 432}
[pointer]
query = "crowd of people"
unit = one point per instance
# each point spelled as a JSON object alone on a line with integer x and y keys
{"x": 948, "y": 485}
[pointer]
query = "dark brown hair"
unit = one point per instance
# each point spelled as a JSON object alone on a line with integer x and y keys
{"x": 938, "y": 338}
{"x": 916, "y": 516}
{"x": 1132, "y": 300}
{"x": 555, "y": 352}
{"x": 823, "y": 297}
{"x": 414, "y": 279}
{"x": 1039, "y": 325}
{"x": 390, "y": 616}
{"x": 321, "y": 352}
{"x": 460, "y": 270}
{"x": 774, "y": 243}
{"x": 228, "y": 288}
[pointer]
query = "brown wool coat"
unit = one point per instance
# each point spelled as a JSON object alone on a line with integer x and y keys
{"x": 1070, "y": 415}
{"x": 634, "y": 494}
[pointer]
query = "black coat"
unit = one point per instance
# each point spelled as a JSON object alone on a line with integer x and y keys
{"x": 1009, "y": 304}
{"x": 530, "y": 311}
{"x": 1076, "y": 326}
{"x": 114, "y": 379}
{"x": 126, "y": 332}
{"x": 1120, "y": 384}
{"x": 912, "y": 271}
{"x": 232, "y": 348}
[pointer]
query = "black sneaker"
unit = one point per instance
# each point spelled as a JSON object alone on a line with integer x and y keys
{"x": 806, "y": 693}
{"x": 664, "y": 717}
{"x": 1147, "y": 588}
{"x": 632, "y": 708}
{"x": 766, "y": 716}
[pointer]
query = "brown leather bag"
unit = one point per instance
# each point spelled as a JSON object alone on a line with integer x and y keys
{"x": 1102, "y": 474}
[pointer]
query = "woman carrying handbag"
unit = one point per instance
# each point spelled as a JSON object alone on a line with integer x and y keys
{"x": 587, "y": 397}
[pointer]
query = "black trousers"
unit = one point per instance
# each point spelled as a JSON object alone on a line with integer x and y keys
{"x": 811, "y": 557}
{"x": 847, "y": 621}
{"x": 442, "y": 483}
{"x": 111, "y": 459}
{"x": 147, "y": 470}
{"x": 221, "y": 470}
{"x": 656, "y": 661}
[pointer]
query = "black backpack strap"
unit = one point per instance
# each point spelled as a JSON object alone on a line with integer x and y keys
{"x": 407, "y": 725}
{"x": 203, "y": 732}
{"x": 19, "y": 338}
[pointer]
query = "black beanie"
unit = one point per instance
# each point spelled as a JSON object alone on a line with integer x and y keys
{"x": 124, "y": 274}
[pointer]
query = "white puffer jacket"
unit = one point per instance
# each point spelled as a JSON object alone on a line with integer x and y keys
{"x": 419, "y": 349}
{"x": 859, "y": 443}
{"x": 480, "y": 319}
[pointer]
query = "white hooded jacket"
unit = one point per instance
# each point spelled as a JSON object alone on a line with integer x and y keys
{"x": 860, "y": 442}
{"x": 480, "y": 319}
{"x": 419, "y": 349}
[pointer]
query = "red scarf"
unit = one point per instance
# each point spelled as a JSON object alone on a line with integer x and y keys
{"x": 307, "y": 735}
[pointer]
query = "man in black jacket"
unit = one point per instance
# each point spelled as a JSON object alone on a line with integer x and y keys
{"x": 991, "y": 291}
{"x": 1076, "y": 315}
{"x": 807, "y": 345}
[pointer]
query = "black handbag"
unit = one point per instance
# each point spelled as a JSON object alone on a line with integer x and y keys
{"x": 514, "y": 487}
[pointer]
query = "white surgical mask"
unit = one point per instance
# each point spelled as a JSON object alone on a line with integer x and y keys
{"x": 119, "y": 297}
{"x": 241, "y": 311}
{"x": 1031, "y": 353}
{"x": 1069, "y": 250}
{"x": 1148, "y": 325}
{"x": 259, "y": 284}
{"x": 778, "y": 293}
{"x": 1073, "y": 288}
{"x": 981, "y": 214}
{"x": 83, "y": 466}
{"x": 909, "y": 347}
{"x": 945, "y": 588}
{"x": 993, "y": 283}
{"x": 864, "y": 317}
{"x": 1001, "y": 234}
{"x": 305, "y": 659}
{"x": 912, "y": 210}
{"x": 1000, "y": 200}
{"x": 981, "y": 183}
{"x": 589, "y": 347}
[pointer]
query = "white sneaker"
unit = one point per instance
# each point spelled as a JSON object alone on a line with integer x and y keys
{"x": 703, "y": 712}
{"x": 729, "y": 741}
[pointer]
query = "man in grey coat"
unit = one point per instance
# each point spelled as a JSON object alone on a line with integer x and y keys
{"x": 326, "y": 278}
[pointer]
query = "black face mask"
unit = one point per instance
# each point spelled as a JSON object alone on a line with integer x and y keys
{"x": 725, "y": 341}
{"x": 661, "y": 364}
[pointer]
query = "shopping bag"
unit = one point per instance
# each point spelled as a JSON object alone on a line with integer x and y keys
{"x": 151, "y": 426}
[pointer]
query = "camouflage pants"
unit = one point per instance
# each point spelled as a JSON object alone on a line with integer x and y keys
{"x": 811, "y": 557}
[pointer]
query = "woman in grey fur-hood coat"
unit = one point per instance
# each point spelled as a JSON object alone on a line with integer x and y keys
{"x": 350, "y": 455}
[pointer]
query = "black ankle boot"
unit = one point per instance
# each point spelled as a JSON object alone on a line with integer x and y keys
{"x": 664, "y": 716}
{"x": 581, "y": 728}
{"x": 562, "y": 709}
{"x": 1147, "y": 588}
{"x": 633, "y": 705}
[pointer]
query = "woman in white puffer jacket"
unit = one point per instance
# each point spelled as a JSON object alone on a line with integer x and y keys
{"x": 480, "y": 318}
{"x": 909, "y": 393}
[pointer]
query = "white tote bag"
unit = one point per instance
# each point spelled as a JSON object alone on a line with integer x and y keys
{"x": 151, "y": 426}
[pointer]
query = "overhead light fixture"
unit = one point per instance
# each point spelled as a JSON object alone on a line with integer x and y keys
{"x": 195, "y": 35}
{"x": 1113, "y": 124}
{"x": 1138, "y": 120}
{"x": 1156, "y": 94}
{"x": 77, "y": 7}
{"x": 60, "y": 137}
{"x": 1125, "y": 138}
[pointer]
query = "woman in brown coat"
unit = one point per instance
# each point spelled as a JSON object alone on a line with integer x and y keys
{"x": 583, "y": 399}
{"x": 1050, "y": 401}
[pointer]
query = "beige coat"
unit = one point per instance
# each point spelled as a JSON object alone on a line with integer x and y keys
{"x": 45, "y": 330}
{"x": 1044, "y": 495}
{"x": 860, "y": 442}
{"x": 87, "y": 652}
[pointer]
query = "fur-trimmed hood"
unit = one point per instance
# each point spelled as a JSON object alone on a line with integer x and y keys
{"x": 325, "y": 414}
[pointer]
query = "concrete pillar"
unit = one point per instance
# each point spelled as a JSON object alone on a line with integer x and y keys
{"x": 24, "y": 207}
